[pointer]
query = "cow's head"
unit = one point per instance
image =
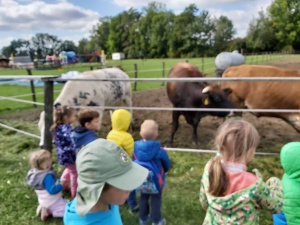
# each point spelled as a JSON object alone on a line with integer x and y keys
{"x": 215, "y": 97}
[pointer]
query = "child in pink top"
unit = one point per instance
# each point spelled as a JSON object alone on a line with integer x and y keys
{"x": 229, "y": 193}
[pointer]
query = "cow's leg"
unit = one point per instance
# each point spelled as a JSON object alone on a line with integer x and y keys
{"x": 175, "y": 125}
{"x": 41, "y": 126}
{"x": 195, "y": 133}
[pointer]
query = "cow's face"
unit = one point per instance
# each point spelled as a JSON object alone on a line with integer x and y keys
{"x": 215, "y": 97}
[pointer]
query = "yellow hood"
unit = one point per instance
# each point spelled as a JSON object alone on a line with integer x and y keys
{"x": 120, "y": 120}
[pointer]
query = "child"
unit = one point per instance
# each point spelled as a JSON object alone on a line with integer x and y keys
{"x": 230, "y": 194}
{"x": 289, "y": 157}
{"x": 42, "y": 178}
{"x": 120, "y": 120}
{"x": 83, "y": 134}
{"x": 149, "y": 149}
{"x": 106, "y": 175}
{"x": 65, "y": 147}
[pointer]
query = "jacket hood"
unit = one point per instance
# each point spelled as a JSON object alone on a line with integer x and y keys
{"x": 121, "y": 120}
{"x": 35, "y": 178}
{"x": 80, "y": 129}
{"x": 289, "y": 156}
{"x": 147, "y": 150}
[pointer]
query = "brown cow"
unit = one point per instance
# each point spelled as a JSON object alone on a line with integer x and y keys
{"x": 193, "y": 95}
{"x": 265, "y": 94}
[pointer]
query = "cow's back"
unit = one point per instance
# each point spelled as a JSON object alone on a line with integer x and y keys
{"x": 263, "y": 94}
{"x": 180, "y": 91}
{"x": 96, "y": 92}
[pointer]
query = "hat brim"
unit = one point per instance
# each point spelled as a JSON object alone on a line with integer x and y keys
{"x": 130, "y": 180}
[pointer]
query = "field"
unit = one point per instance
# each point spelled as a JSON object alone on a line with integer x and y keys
{"x": 180, "y": 197}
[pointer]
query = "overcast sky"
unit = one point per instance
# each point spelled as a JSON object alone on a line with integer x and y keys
{"x": 74, "y": 19}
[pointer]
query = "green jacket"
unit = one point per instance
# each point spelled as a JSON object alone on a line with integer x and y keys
{"x": 241, "y": 207}
{"x": 289, "y": 157}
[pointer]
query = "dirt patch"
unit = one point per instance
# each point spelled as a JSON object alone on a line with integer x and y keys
{"x": 274, "y": 132}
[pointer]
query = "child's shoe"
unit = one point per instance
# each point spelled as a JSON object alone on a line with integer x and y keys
{"x": 161, "y": 222}
{"x": 142, "y": 222}
{"x": 134, "y": 210}
{"x": 45, "y": 213}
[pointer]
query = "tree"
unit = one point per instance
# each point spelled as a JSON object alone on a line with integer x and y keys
{"x": 285, "y": 17}
{"x": 83, "y": 46}
{"x": 100, "y": 34}
{"x": 261, "y": 34}
{"x": 67, "y": 46}
{"x": 44, "y": 44}
{"x": 224, "y": 32}
{"x": 119, "y": 31}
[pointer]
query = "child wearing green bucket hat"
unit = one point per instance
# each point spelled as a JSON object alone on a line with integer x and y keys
{"x": 106, "y": 176}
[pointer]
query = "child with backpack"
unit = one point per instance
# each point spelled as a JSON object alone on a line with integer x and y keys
{"x": 46, "y": 185}
{"x": 149, "y": 153}
{"x": 229, "y": 193}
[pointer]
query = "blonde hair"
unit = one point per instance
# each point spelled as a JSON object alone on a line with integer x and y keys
{"x": 235, "y": 140}
{"x": 149, "y": 130}
{"x": 37, "y": 158}
{"x": 86, "y": 115}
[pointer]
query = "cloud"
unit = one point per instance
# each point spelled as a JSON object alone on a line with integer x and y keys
{"x": 26, "y": 15}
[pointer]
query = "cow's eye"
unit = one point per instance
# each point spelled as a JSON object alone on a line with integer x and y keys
{"x": 217, "y": 98}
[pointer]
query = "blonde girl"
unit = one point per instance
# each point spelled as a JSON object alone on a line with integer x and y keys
{"x": 48, "y": 189}
{"x": 229, "y": 193}
{"x": 65, "y": 147}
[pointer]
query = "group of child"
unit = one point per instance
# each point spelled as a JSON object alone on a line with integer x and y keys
{"x": 107, "y": 172}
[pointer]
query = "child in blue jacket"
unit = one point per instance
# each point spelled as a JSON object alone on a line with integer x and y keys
{"x": 149, "y": 149}
{"x": 89, "y": 120}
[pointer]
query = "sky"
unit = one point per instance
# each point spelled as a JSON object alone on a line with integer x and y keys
{"x": 74, "y": 19}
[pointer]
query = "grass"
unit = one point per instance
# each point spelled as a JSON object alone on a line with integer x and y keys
{"x": 180, "y": 196}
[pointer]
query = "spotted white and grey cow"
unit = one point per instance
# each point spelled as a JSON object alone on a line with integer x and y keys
{"x": 94, "y": 93}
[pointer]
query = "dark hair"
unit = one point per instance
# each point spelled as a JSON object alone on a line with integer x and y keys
{"x": 235, "y": 139}
{"x": 60, "y": 114}
{"x": 87, "y": 115}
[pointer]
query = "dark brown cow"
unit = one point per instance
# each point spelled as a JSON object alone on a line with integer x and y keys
{"x": 265, "y": 94}
{"x": 193, "y": 95}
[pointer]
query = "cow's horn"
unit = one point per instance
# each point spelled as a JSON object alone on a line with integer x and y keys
{"x": 206, "y": 89}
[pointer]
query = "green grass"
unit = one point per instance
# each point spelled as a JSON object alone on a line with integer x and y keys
{"x": 180, "y": 196}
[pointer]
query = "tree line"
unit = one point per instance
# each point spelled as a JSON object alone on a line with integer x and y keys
{"x": 156, "y": 32}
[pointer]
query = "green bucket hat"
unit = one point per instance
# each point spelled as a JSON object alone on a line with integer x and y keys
{"x": 101, "y": 162}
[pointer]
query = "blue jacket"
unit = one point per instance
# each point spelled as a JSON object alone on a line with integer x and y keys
{"x": 152, "y": 150}
{"x": 82, "y": 136}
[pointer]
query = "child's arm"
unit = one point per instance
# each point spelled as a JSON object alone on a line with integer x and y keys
{"x": 271, "y": 196}
{"x": 202, "y": 197}
{"x": 166, "y": 162}
{"x": 50, "y": 185}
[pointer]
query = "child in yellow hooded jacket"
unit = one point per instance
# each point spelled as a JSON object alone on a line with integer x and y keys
{"x": 120, "y": 120}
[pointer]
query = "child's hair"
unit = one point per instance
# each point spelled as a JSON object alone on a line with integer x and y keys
{"x": 87, "y": 115}
{"x": 149, "y": 129}
{"x": 37, "y": 158}
{"x": 61, "y": 113}
{"x": 235, "y": 139}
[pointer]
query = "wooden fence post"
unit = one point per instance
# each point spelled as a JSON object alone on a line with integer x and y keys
{"x": 29, "y": 72}
{"x": 163, "y": 73}
{"x": 48, "y": 108}
{"x": 135, "y": 76}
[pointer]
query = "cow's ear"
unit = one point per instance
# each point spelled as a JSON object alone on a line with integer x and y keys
{"x": 227, "y": 91}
